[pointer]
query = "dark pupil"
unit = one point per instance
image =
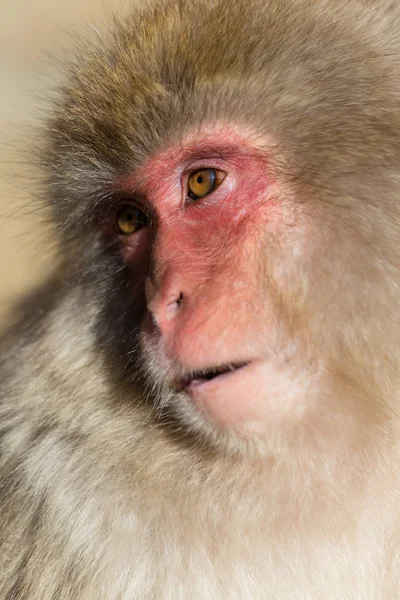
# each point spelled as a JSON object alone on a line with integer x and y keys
{"x": 199, "y": 179}
{"x": 129, "y": 216}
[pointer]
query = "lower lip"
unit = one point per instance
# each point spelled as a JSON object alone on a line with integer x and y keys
{"x": 235, "y": 399}
{"x": 199, "y": 385}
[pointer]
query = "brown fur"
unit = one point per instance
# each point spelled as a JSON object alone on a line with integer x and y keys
{"x": 107, "y": 490}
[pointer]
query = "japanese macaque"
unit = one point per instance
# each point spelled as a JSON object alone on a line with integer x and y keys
{"x": 204, "y": 401}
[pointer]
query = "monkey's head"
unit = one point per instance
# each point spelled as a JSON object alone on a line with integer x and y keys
{"x": 226, "y": 177}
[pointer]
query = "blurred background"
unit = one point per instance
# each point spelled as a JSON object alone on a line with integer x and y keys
{"x": 34, "y": 34}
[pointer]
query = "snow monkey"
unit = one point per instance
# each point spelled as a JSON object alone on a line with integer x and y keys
{"x": 204, "y": 401}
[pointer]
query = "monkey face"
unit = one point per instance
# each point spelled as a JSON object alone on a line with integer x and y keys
{"x": 220, "y": 251}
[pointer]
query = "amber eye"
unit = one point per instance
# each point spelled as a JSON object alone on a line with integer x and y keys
{"x": 204, "y": 181}
{"x": 130, "y": 219}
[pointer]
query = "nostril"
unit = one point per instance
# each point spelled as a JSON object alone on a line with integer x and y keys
{"x": 164, "y": 306}
{"x": 176, "y": 303}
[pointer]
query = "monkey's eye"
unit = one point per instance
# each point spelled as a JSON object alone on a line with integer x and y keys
{"x": 130, "y": 219}
{"x": 204, "y": 181}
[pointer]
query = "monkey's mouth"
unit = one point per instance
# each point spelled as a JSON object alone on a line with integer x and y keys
{"x": 202, "y": 376}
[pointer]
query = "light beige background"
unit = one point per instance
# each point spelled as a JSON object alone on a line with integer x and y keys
{"x": 32, "y": 32}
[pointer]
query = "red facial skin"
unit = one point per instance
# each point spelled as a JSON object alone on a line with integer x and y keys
{"x": 203, "y": 285}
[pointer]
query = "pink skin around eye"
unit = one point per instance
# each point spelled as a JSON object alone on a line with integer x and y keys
{"x": 163, "y": 180}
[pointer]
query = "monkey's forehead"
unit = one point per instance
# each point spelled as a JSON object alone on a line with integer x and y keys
{"x": 309, "y": 75}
